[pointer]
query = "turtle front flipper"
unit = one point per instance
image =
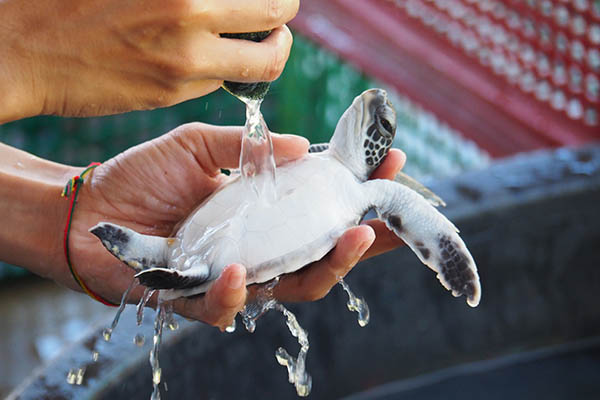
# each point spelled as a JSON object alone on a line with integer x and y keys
{"x": 429, "y": 234}
{"x": 138, "y": 251}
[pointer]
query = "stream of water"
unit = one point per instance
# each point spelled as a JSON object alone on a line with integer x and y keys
{"x": 257, "y": 163}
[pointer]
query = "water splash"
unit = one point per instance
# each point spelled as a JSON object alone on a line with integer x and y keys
{"x": 257, "y": 164}
{"x": 159, "y": 322}
{"x": 356, "y": 304}
{"x": 264, "y": 301}
{"x": 256, "y": 307}
{"x": 107, "y": 333}
{"x": 296, "y": 367}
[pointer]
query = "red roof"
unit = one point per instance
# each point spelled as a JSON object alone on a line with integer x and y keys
{"x": 510, "y": 75}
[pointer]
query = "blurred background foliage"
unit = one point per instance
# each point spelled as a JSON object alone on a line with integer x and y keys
{"x": 308, "y": 99}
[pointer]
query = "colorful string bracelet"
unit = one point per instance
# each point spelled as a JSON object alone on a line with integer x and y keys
{"x": 71, "y": 191}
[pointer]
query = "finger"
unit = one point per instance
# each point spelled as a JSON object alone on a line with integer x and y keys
{"x": 316, "y": 280}
{"x": 222, "y": 302}
{"x": 219, "y": 146}
{"x": 392, "y": 164}
{"x": 242, "y": 60}
{"x": 235, "y": 16}
{"x": 385, "y": 241}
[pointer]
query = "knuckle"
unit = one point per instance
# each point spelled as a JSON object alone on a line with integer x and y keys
{"x": 179, "y": 68}
{"x": 274, "y": 66}
{"x": 159, "y": 98}
{"x": 275, "y": 10}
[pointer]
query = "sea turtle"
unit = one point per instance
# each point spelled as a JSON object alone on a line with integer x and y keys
{"x": 318, "y": 197}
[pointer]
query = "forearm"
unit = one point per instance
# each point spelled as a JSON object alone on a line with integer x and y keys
{"x": 32, "y": 213}
{"x": 20, "y": 87}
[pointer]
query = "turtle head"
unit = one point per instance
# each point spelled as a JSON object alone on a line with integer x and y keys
{"x": 364, "y": 134}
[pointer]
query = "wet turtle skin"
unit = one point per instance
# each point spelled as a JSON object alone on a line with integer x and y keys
{"x": 255, "y": 90}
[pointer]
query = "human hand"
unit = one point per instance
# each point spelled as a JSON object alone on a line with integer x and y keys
{"x": 99, "y": 57}
{"x": 151, "y": 187}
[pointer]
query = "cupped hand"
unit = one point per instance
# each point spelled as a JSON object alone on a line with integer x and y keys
{"x": 99, "y": 57}
{"x": 152, "y": 187}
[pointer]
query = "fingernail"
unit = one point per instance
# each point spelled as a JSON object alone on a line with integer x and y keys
{"x": 368, "y": 242}
{"x": 236, "y": 277}
{"x": 295, "y": 138}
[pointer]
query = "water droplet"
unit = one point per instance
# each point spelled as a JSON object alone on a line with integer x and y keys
{"x": 106, "y": 334}
{"x": 231, "y": 327}
{"x": 71, "y": 376}
{"x": 173, "y": 325}
{"x": 75, "y": 376}
{"x": 171, "y": 322}
{"x": 95, "y": 356}
{"x": 139, "y": 339}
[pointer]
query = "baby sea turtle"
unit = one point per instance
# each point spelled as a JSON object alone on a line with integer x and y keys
{"x": 318, "y": 198}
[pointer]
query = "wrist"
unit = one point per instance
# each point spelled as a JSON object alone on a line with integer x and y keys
{"x": 33, "y": 213}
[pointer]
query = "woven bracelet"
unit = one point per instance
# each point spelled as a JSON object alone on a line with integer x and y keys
{"x": 71, "y": 191}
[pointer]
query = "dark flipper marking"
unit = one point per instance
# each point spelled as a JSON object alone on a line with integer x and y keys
{"x": 165, "y": 278}
{"x": 455, "y": 268}
{"x": 112, "y": 237}
{"x": 318, "y": 147}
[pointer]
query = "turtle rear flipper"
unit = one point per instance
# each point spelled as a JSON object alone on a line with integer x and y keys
{"x": 429, "y": 234}
{"x": 138, "y": 251}
{"x": 166, "y": 278}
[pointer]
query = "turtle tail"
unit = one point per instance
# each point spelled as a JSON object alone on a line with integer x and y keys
{"x": 140, "y": 252}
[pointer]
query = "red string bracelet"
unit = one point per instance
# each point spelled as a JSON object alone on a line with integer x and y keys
{"x": 71, "y": 191}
